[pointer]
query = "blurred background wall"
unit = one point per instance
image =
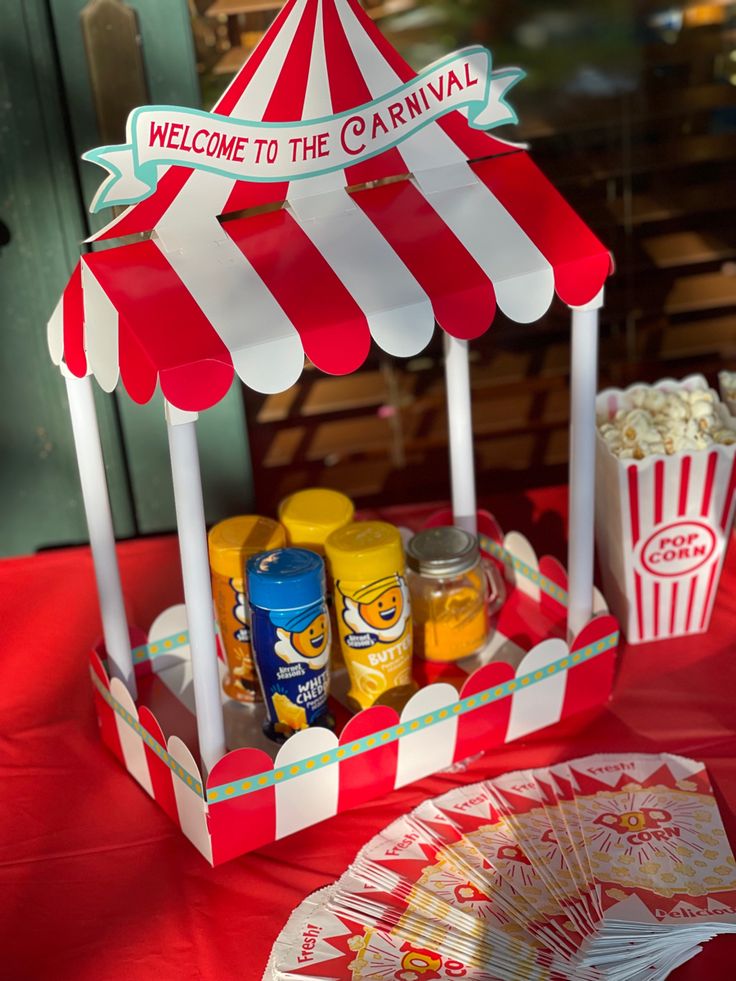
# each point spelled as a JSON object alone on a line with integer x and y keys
{"x": 630, "y": 107}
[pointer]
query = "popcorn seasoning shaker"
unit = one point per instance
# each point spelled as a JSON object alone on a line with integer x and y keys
{"x": 373, "y": 612}
{"x": 290, "y": 631}
{"x": 231, "y": 543}
{"x": 309, "y": 517}
{"x": 449, "y": 594}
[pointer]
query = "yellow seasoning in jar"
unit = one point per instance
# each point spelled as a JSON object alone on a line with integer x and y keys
{"x": 231, "y": 543}
{"x": 449, "y": 594}
{"x": 373, "y": 612}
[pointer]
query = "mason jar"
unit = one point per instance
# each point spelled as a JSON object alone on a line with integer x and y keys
{"x": 449, "y": 594}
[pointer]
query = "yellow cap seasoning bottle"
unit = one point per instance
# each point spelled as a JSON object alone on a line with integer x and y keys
{"x": 373, "y": 612}
{"x": 231, "y": 544}
{"x": 449, "y": 594}
{"x": 309, "y": 517}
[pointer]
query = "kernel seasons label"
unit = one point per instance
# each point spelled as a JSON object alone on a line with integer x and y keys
{"x": 231, "y": 603}
{"x": 374, "y": 620}
{"x": 292, "y": 656}
{"x": 239, "y": 611}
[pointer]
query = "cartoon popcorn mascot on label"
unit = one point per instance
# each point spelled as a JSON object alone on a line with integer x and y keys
{"x": 240, "y": 612}
{"x": 376, "y": 613}
{"x": 302, "y": 638}
{"x": 375, "y": 627}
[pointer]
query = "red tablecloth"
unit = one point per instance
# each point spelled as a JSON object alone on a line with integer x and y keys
{"x": 95, "y": 882}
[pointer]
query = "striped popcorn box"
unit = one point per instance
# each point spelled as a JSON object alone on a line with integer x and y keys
{"x": 662, "y": 527}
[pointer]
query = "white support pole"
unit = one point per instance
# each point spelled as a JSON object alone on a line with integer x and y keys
{"x": 99, "y": 524}
{"x": 584, "y": 383}
{"x": 459, "y": 412}
{"x": 195, "y": 570}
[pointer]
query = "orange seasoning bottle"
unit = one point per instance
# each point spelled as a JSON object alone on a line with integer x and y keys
{"x": 231, "y": 543}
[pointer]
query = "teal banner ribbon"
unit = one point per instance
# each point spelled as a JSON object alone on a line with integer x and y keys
{"x": 160, "y": 136}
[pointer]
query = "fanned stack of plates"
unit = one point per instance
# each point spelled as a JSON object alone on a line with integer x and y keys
{"x": 614, "y": 867}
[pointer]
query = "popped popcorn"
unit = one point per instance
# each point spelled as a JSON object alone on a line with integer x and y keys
{"x": 657, "y": 422}
{"x": 727, "y": 437}
{"x": 727, "y": 380}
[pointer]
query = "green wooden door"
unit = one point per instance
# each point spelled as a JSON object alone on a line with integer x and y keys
{"x": 50, "y": 114}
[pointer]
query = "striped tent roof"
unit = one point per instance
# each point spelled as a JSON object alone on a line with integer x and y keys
{"x": 332, "y": 262}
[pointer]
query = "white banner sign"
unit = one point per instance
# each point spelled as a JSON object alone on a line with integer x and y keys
{"x": 274, "y": 152}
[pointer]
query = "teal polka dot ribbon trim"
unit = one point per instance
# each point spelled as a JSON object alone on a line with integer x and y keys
{"x": 523, "y": 569}
{"x": 176, "y": 768}
{"x": 158, "y": 648}
{"x": 385, "y": 737}
{"x": 170, "y": 645}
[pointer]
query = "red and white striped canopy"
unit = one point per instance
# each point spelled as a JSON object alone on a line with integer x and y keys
{"x": 321, "y": 270}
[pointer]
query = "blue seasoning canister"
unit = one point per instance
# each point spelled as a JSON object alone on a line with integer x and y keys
{"x": 290, "y": 636}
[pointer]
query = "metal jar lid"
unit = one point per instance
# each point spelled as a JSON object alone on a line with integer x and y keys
{"x": 442, "y": 552}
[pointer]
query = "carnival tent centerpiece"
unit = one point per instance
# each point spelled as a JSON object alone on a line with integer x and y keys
{"x": 334, "y": 197}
